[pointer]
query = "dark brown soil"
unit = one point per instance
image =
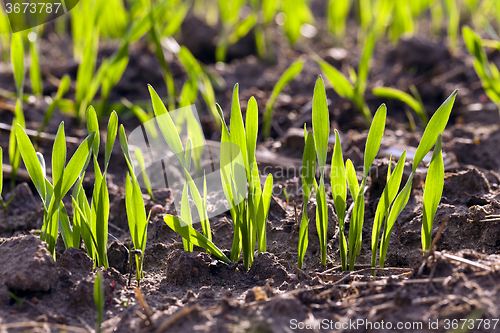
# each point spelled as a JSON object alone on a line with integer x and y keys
{"x": 194, "y": 292}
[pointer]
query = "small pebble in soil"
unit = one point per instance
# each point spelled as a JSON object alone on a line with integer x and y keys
{"x": 156, "y": 209}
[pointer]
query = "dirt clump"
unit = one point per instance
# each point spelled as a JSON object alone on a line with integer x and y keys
{"x": 27, "y": 265}
{"x": 265, "y": 267}
{"x": 464, "y": 184}
{"x": 184, "y": 267}
{"x": 76, "y": 260}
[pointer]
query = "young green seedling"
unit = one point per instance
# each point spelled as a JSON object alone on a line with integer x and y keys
{"x": 339, "y": 191}
{"x": 321, "y": 131}
{"x": 63, "y": 178}
{"x": 373, "y": 142}
{"x": 433, "y": 190}
{"x": 487, "y": 71}
{"x": 434, "y": 128}
{"x": 237, "y": 162}
{"x": 93, "y": 220}
{"x": 171, "y": 136}
{"x": 383, "y": 208}
{"x": 134, "y": 204}
{"x": 18, "y": 300}
{"x": 137, "y": 221}
{"x": 188, "y": 232}
{"x": 308, "y": 172}
{"x": 287, "y": 76}
{"x": 287, "y": 196}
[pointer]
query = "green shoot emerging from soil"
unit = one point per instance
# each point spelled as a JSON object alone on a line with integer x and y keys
{"x": 308, "y": 172}
{"x": 63, "y": 178}
{"x": 184, "y": 228}
{"x": 432, "y": 193}
{"x": 99, "y": 300}
{"x": 321, "y": 131}
{"x": 93, "y": 220}
{"x": 134, "y": 204}
{"x": 373, "y": 142}
{"x": 344, "y": 177}
{"x": 339, "y": 191}
{"x": 237, "y": 161}
{"x": 430, "y": 137}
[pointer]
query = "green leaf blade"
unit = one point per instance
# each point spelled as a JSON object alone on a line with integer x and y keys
{"x": 186, "y": 231}
{"x": 433, "y": 190}
{"x": 374, "y": 139}
{"x": 436, "y": 125}
{"x": 321, "y": 122}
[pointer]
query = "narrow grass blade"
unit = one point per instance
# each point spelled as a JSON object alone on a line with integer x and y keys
{"x": 35, "y": 73}
{"x": 364, "y": 63}
{"x": 110, "y": 138}
{"x": 187, "y": 231}
{"x": 144, "y": 174}
{"x": 285, "y": 78}
{"x": 99, "y": 299}
{"x": 14, "y": 154}
{"x": 31, "y": 160}
{"x": 124, "y": 145}
{"x": 138, "y": 223}
{"x": 337, "y": 12}
{"x": 308, "y": 166}
{"x": 58, "y": 157}
{"x": 339, "y": 82}
{"x": 321, "y": 122}
{"x": 251, "y": 128}
{"x": 93, "y": 126}
{"x": 265, "y": 203}
{"x": 238, "y": 135}
{"x": 399, "y": 95}
{"x": 352, "y": 180}
{"x": 435, "y": 126}
{"x": 308, "y": 172}
{"x": 432, "y": 193}
{"x": 102, "y": 215}
{"x": 76, "y": 163}
{"x": 322, "y": 219}
{"x": 374, "y": 139}
{"x": 166, "y": 125}
{"x": 390, "y": 191}
{"x": 338, "y": 179}
{"x": 65, "y": 227}
{"x": 339, "y": 191}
